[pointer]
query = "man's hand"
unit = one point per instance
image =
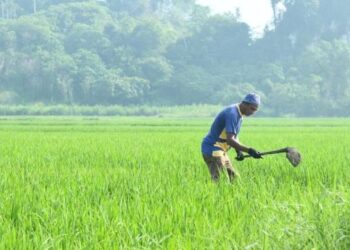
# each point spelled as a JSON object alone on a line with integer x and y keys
{"x": 240, "y": 156}
{"x": 255, "y": 154}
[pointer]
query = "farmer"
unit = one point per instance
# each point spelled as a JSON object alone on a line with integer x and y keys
{"x": 223, "y": 135}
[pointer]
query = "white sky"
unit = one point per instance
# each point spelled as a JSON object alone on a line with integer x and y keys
{"x": 256, "y": 13}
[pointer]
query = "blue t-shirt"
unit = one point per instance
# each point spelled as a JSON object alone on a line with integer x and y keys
{"x": 228, "y": 120}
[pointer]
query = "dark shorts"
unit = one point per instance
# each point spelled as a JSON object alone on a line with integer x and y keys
{"x": 217, "y": 165}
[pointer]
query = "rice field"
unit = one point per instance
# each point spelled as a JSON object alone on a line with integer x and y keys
{"x": 141, "y": 183}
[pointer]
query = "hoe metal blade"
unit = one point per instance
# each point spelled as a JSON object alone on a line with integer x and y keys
{"x": 293, "y": 156}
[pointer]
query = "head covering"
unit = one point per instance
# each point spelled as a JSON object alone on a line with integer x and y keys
{"x": 252, "y": 98}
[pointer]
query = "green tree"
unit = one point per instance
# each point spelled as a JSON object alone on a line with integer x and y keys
{"x": 29, "y": 34}
{"x": 130, "y": 90}
{"x": 9, "y": 9}
{"x": 57, "y": 72}
{"x": 298, "y": 27}
{"x": 84, "y": 37}
{"x": 155, "y": 69}
{"x": 91, "y": 73}
{"x": 335, "y": 19}
{"x": 220, "y": 40}
{"x": 189, "y": 84}
{"x": 65, "y": 16}
{"x": 330, "y": 61}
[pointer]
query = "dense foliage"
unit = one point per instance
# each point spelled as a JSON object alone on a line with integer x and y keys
{"x": 163, "y": 52}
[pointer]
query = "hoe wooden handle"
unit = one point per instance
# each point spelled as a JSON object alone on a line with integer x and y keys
{"x": 278, "y": 151}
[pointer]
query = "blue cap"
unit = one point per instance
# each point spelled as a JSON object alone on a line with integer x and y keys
{"x": 252, "y": 99}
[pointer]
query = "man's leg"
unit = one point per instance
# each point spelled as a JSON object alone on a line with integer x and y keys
{"x": 232, "y": 173}
{"x": 214, "y": 165}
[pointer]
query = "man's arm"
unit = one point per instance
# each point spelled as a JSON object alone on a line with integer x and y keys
{"x": 233, "y": 142}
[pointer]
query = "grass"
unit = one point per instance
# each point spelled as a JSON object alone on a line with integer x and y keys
{"x": 40, "y": 109}
{"x": 140, "y": 183}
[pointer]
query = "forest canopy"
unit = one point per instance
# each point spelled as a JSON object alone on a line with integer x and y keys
{"x": 163, "y": 52}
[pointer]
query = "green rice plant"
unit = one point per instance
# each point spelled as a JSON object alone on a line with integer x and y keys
{"x": 141, "y": 183}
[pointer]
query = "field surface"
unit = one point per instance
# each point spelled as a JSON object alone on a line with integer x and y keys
{"x": 141, "y": 183}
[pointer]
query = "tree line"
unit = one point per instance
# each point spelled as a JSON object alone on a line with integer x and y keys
{"x": 164, "y": 52}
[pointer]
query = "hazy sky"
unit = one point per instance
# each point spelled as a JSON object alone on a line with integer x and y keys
{"x": 257, "y": 13}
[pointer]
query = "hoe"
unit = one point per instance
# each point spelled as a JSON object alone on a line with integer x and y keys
{"x": 292, "y": 154}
